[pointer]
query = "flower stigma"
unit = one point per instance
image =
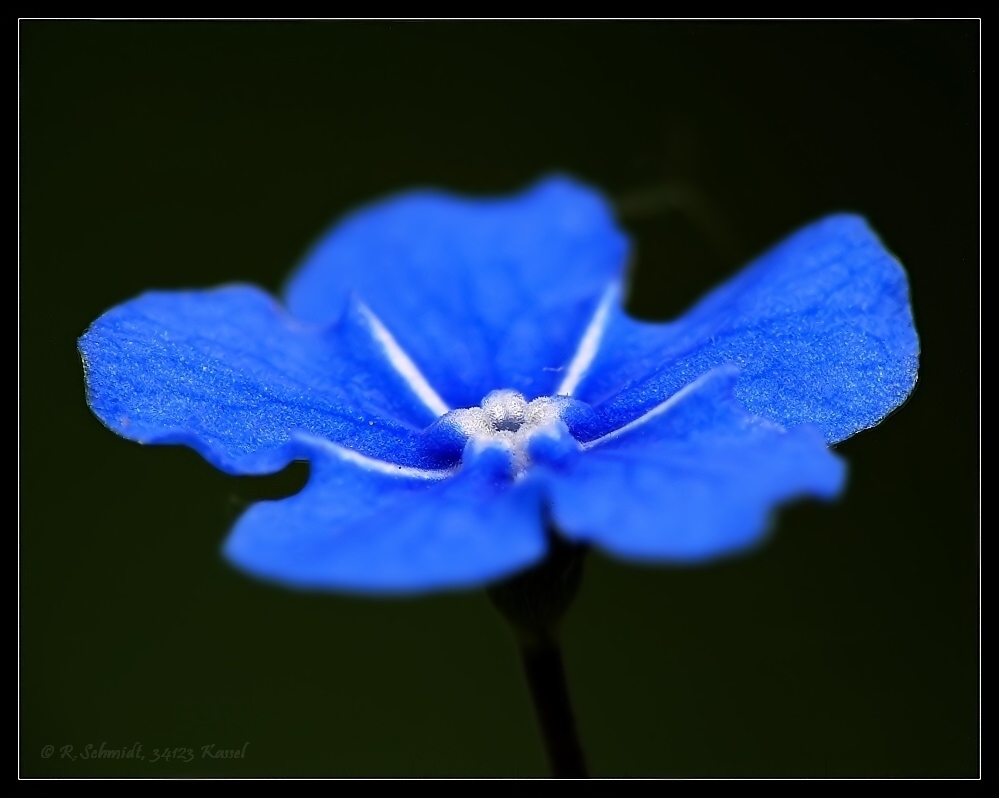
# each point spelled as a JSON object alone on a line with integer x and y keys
{"x": 507, "y": 420}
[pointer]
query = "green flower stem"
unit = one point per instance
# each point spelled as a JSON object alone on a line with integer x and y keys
{"x": 534, "y": 603}
{"x": 542, "y": 661}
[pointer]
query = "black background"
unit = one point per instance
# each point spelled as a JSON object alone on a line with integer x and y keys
{"x": 169, "y": 154}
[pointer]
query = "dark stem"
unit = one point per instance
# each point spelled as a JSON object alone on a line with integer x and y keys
{"x": 534, "y": 603}
{"x": 542, "y": 661}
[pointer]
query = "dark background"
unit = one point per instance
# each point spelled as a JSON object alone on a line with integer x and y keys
{"x": 191, "y": 154}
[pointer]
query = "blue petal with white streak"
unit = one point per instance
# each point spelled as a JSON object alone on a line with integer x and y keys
{"x": 371, "y": 527}
{"x": 821, "y": 326}
{"x": 695, "y": 479}
{"x": 481, "y": 294}
{"x": 229, "y": 373}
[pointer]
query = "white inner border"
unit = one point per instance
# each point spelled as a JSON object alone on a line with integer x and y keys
{"x": 589, "y": 344}
{"x": 382, "y": 466}
{"x": 403, "y": 363}
{"x": 659, "y": 409}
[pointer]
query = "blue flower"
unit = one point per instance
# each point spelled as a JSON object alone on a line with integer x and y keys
{"x": 461, "y": 375}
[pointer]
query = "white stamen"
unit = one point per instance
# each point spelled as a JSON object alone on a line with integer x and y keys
{"x": 403, "y": 364}
{"x": 507, "y": 420}
{"x": 505, "y": 409}
{"x": 590, "y": 342}
{"x": 658, "y": 410}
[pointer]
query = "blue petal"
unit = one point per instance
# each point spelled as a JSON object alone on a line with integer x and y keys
{"x": 695, "y": 479}
{"x": 232, "y": 375}
{"x": 480, "y": 294}
{"x": 821, "y": 327}
{"x": 358, "y": 526}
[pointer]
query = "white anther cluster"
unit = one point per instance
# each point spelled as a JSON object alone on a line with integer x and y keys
{"x": 507, "y": 419}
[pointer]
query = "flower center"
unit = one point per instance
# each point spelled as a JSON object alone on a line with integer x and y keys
{"x": 506, "y": 420}
{"x": 507, "y": 417}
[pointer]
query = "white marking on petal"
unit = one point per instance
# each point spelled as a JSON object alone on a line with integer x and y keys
{"x": 403, "y": 363}
{"x": 659, "y": 409}
{"x": 383, "y": 466}
{"x": 590, "y": 342}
